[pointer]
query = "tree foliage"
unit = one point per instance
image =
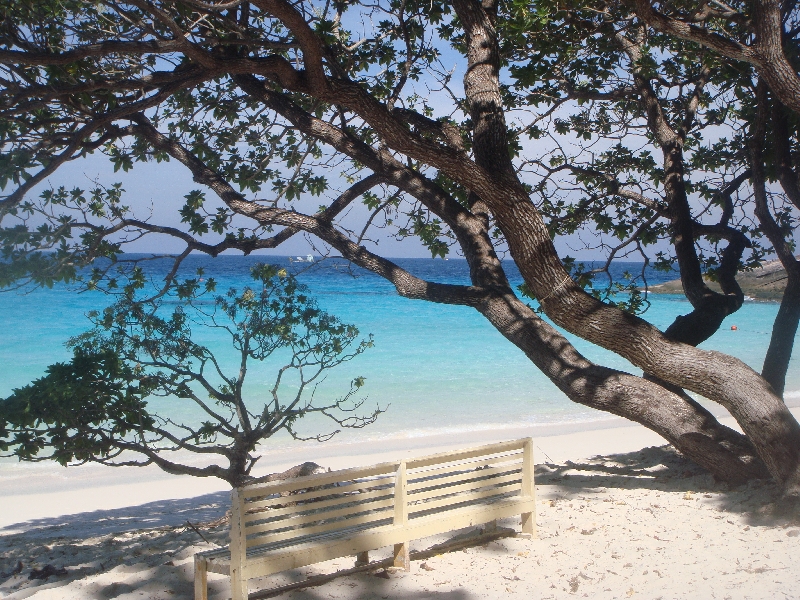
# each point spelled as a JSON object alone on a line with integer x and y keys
{"x": 104, "y": 405}
{"x": 635, "y": 129}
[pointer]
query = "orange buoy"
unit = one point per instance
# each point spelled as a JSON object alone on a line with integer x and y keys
{"x": 734, "y": 328}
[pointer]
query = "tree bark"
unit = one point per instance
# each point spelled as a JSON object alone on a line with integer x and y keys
{"x": 784, "y": 158}
{"x": 784, "y": 330}
{"x": 765, "y": 53}
{"x": 779, "y": 353}
{"x": 727, "y": 454}
{"x": 762, "y": 415}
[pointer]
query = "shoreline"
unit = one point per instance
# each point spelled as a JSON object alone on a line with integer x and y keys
{"x": 45, "y": 494}
{"x": 764, "y": 284}
{"x": 634, "y": 520}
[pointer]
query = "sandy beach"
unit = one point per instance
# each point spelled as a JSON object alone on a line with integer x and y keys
{"x": 619, "y": 514}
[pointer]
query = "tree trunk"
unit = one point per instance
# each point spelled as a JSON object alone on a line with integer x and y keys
{"x": 747, "y": 396}
{"x": 709, "y": 307}
{"x": 727, "y": 454}
{"x": 776, "y": 362}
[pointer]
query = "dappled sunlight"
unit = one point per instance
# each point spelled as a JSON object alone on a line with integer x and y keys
{"x": 649, "y": 521}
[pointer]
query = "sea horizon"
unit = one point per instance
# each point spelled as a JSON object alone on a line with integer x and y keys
{"x": 434, "y": 369}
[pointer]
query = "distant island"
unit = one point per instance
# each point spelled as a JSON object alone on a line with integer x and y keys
{"x": 765, "y": 283}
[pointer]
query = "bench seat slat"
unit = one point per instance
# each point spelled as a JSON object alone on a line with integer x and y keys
{"x": 221, "y": 557}
{"x": 216, "y": 561}
{"x": 268, "y": 562}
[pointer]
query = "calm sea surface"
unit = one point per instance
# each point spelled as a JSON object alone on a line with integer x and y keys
{"x": 434, "y": 368}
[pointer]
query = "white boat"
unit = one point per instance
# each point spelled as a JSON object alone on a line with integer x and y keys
{"x": 308, "y": 259}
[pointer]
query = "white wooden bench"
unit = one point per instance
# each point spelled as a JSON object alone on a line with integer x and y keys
{"x": 284, "y": 525}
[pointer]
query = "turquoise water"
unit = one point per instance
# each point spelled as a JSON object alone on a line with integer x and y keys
{"x": 434, "y": 368}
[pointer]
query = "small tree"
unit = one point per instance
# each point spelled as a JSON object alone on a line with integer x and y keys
{"x": 95, "y": 408}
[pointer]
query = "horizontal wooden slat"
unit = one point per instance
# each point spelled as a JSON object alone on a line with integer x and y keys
{"x": 463, "y": 477}
{"x": 356, "y": 486}
{"x": 300, "y": 520}
{"x": 460, "y": 499}
{"x": 466, "y": 465}
{"x": 336, "y": 525}
{"x": 442, "y": 492}
{"x": 472, "y": 485}
{"x": 363, "y": 497}
{"x": 276, "y": 487}
{"x": 488, "y": 449}
{"x": 265, "y": 561}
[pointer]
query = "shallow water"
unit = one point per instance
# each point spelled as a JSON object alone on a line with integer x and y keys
{"x": 434, "y": 368}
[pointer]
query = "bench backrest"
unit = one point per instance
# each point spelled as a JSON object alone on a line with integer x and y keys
{"x": 442, "y": 482}
{"x": 388, "y": 494}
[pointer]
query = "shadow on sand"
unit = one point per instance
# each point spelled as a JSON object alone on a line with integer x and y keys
{"x": 662, "y": 468}
{"x": 154, "y": 542}
{"x": 163, "y": 513}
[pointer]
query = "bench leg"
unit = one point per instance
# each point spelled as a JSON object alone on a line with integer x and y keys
{"x": 238, "y": 585}
{"x": 402, "y": 557}
{"x": 362, "y": 558}
{"x": 529, "y": 524}
{"x": 200, "y": 579}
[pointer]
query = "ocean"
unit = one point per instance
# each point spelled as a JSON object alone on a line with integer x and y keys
{"x": 434, "y": 369}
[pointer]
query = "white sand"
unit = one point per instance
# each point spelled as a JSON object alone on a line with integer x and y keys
{"x": 627, "y": 523}
{"x": 38, "y": 494}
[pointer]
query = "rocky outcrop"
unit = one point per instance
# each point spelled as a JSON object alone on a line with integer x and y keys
{"x": 766, "y": 283}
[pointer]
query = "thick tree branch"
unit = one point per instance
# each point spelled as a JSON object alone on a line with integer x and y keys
{"x": 710, "y": 308}
{"x": 313, "y": 49}
{"x": 101, "y": 50}
{"x": 75, "y": 147}
{"x": 779, "y": 353}
{"x": 470, "y": 231}
{"x": 407, "y": 285}
{"x": 765, "y": 53}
